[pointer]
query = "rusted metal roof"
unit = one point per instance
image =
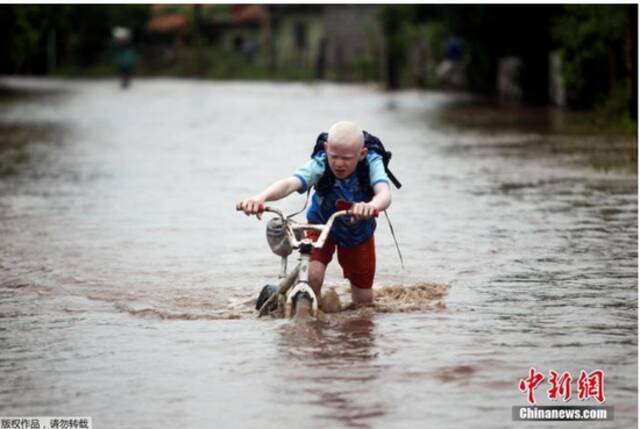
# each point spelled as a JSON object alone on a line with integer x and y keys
{"x": 240, "y": 14}
{"x": 172, "y": 22}
{"x": 248, "y": 13}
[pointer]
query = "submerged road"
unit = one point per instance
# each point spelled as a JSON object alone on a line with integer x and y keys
{"x": 126, "y": 276}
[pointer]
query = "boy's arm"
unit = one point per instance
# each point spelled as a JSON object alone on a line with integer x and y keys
{"x": 273, "y": 192}
{"x": 382, "y": 196}
{"x": 381, "y": 201}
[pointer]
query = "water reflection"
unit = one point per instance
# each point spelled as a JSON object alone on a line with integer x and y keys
{"x": 23, "y": 146}
{"x": 334, "y": 365}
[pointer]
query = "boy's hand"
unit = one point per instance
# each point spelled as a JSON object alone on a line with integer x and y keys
{"x": 361, "y": 211}
{"x": 251, "y": 206}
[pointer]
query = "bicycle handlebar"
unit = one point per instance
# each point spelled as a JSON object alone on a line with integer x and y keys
{"x": 292, "y": 227}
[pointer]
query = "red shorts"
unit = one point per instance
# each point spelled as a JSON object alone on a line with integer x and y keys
{"x": 358, "y": 263}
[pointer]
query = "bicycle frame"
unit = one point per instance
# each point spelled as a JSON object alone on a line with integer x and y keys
{"x": 300, "y": 274}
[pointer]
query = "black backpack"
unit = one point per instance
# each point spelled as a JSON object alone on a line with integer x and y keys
{"x": 373, "y": 144}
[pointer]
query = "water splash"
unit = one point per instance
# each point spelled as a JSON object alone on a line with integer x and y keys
{"x": 240, "y": 304}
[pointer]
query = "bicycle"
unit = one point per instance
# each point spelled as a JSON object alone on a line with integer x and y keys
{"x": 294, "y": 289}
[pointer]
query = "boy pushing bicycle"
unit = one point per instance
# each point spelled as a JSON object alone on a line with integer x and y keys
{"x": 348, "y": 170}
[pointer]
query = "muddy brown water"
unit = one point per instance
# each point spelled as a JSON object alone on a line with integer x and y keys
{"x": 127, "y": 279}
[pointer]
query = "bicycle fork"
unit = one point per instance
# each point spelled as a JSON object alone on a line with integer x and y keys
{"x": 303, "y": 284}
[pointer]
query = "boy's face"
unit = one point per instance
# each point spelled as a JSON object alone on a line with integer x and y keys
{"x": 343, "y": 158}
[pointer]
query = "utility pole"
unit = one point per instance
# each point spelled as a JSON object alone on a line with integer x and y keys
{"x": 197, "y": 41}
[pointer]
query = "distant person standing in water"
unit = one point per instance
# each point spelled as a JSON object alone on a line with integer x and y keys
{"x": 125, "y": 54}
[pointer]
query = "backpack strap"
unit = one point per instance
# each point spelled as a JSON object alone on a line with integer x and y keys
{"x": 373, "y": 143}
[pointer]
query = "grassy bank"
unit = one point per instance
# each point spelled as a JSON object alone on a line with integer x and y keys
{"x": 598, "y": 138}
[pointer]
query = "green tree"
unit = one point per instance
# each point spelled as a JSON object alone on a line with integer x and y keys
{"x": 595, "y": 42}
{"x": 82, "y": 33}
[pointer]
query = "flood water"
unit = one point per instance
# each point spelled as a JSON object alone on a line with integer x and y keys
{"x": 127, "y": 278}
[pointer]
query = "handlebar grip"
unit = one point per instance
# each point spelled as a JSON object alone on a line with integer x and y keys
{"x": 261, "y": 208}
{"x": 346, "y": 205}
{"x": 375, "y": 213}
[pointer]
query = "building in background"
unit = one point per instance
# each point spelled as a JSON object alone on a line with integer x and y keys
{"x": 299, "y": 41}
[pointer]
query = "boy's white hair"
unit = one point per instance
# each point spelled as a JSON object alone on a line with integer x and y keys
{"x": 345, "y": 133}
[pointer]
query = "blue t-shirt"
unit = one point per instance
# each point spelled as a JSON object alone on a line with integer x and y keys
{"x": 343, "y": 233}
